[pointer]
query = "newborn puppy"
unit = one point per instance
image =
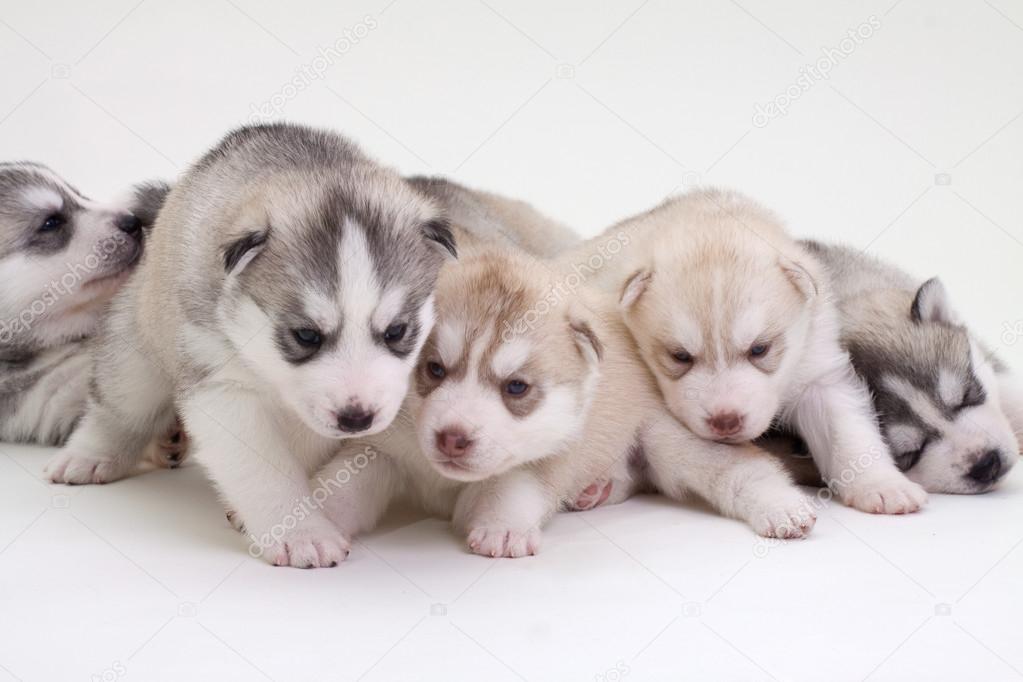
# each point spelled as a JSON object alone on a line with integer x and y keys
{"x": 738, "y": 323}
{"x": 62, "y": 257}
{"x": 521, "y": 400}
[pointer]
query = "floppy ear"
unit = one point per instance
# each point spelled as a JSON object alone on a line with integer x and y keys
{"x": 634, "y": 287}
{"x": 240, "y": 252}
{"x": 438, "y": 233}
{"x": 586, "y": 339}
{"x": 800, "y": 277}
{"x": 931, "y": 304}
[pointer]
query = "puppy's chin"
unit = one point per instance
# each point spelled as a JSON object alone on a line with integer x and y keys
{"x": 456, "y": 471}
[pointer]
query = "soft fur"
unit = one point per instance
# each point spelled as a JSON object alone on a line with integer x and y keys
{"x": 736, "y": 321}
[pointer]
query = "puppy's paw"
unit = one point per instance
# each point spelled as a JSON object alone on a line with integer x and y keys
{"x": 887, "y": 494}
{"x": 76, "y": 470}
{"x": 316, "y": 543}
{"x": 788, "y": 515}
{"x": 235, "y": 519}
{"x": 491, "y": 541}
{"x": 593, "y": 495}
{"x": 170, "y": 450}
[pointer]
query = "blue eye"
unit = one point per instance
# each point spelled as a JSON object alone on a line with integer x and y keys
{"x": 310, "y": 338}
{"x": 395, "y": 333}
{"x": 759, "y": 350}
{"x": 436, "y": 370}
{"x": 53, "y": 223}
{"x": 516, "y": 387}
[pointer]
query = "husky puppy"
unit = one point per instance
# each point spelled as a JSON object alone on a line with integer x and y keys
{"x": 951, "y": 412}
{"x": 522, "y": 399}
{"x": 62, "y": 257}
{"x": 736, "y": 321}
{"x": 280, "y": 306}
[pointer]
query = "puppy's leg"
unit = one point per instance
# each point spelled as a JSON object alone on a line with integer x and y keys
{"x": 355, "y": 488}
{"x": 836, "y": 419}
{"x": 740, "y": 481}
{"x": 170, "y": 449}
{"x": 1010, "y": 394}
{"x": 502, "y": 516}
{"x": 244, "y": 447}
{"x": 129, "y": 401}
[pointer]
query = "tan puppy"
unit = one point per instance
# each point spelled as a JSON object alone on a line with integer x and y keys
{"x": 507, "y": 427}
{"x": 736, "y": 321}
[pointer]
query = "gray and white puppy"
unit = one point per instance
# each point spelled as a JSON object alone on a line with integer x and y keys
{"x": 62, "y": 257}
{"x": 280, "y": 306}
{"x": 951, "y": 413}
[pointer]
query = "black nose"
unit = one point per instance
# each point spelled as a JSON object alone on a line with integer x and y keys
{"x": 354, "y": 419}
{"x": 129, "y": 224}
{"x": 988, "y": 468}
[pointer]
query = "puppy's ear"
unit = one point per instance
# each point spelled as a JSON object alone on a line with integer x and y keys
{"x": 242, "y": 250}
{"x": 634, "y": 288}
{"x": 931, "y": 304}
{"x": 439, "y": 234}
{"x": 586, "y": 340}
{"x": 800, "y": 277}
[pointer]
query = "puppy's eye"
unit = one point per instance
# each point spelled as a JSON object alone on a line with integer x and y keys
{"x": 682, "y": 356}
{"x": 53, "y": 223}
{"x": 395, "y": 333}
{"x": 973, "y": 398}
{"x": 759, "y": 350}
{"x": 908, "y": 460}
{"x": 436, "y": 370}
{"x": 307, "y": 338}
{"x": 516, "y": 387}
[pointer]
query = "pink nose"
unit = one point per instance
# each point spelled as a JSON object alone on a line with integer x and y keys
{"x": 453, "y": 442}
{"x": 725, "y": 423}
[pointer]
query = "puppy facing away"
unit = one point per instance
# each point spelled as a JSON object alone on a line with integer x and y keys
{"x": 951, "y": 412}
{"x": 737, "y": 322}
{"x": 498, "y": 219}
{"x": 280, "y": 306}
{"x": 522, "y": 399}
{"x": 62, "y": 257}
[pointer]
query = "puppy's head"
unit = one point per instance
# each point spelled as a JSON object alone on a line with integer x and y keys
{"x": 720, "y": 317}
{"x": 509, "y": 371}
{"x": 62, "y": 256}
{"x": 935, "y": 390}
{"x": 328, "y": 292}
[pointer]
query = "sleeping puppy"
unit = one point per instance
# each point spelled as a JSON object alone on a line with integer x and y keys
{"x": 62, "y": 258}
{"x": 738, "y": 323}
{"x": 522, "y": 398}
{"x": 951, "y": 412}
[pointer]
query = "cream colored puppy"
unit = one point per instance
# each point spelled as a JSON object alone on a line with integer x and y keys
{"x": 522, "y": 399}
{"x": 737, "y": 322}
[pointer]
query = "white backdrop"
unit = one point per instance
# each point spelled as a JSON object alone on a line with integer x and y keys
{"x": 896, "y": 125}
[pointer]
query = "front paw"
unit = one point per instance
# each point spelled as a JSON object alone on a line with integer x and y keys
{"x": 492, "y": 541}
{"x": 890, "y": 493}
{"x": 315, "y": 543}
{"x": 787, "y": 515}
{"x": 76, "y": 470}
{"x": 170, "y": 450}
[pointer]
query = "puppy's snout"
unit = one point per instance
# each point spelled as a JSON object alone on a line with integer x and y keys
{"x": 453, "y": 442}
{"x": 988, "y": 468}
{"x": 725, "y": 423}
{"x": 355, "y": 419}
{"x": 129, "y": 224}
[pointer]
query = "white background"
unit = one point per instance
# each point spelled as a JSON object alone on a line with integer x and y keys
{"x": 592, "y": 110}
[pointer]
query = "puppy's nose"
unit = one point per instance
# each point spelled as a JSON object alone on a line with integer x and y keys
{"x": 128, "y": 224}
{"x": 453, "y": 442}
{"x": 725, "y": 423}
{"x": 988, "y": 468}
{"x": 354, "y": 419}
